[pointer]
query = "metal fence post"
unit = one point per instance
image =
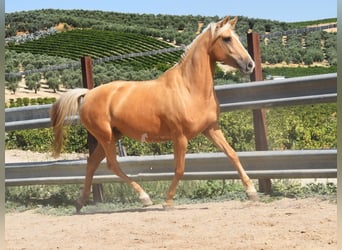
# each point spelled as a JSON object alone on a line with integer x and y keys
{"x": 259, "y": 119}
{"x": 88, "y": 82}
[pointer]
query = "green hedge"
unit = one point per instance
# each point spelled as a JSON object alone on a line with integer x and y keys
{"x": 19, "y": 102}
{"x": 289, "y": 72}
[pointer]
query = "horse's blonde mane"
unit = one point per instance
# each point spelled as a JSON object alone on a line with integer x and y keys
{"x": 214, "y": 33}
{"x": 211, "y": 26}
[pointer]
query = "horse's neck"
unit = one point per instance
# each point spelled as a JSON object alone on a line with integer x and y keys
{"x": 197, "y": 68}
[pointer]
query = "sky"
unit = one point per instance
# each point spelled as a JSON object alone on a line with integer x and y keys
{"x": 284, "y": 10}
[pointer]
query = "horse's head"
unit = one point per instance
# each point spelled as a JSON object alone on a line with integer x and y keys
{"x": 227, "y": 48}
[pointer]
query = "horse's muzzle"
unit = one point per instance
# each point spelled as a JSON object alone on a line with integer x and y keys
{"x": 250, "y": 66}
{"x": 247, "y": 67}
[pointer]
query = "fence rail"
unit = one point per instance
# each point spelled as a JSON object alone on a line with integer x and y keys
{"x": 260, "y": 164}
{"x": 263, "y": 94}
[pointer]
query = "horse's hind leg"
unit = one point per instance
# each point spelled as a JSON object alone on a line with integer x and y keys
{"x": 93, "y": 163}
{"x": 214, "y": 133}
{"x": 110, "y": 152}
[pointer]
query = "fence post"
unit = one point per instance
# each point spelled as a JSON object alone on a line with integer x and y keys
{"x": 259, "y": 119}
{"x": 88, "y": 82}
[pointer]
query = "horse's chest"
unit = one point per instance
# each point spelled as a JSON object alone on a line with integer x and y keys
{"x": 197, "y": 120}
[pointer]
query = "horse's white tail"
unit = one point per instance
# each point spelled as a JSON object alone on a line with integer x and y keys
{"x": 66, "y": 107}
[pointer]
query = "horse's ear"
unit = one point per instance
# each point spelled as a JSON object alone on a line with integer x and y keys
{"x": 223, "y": 22}
{"x": 233, "y": 22}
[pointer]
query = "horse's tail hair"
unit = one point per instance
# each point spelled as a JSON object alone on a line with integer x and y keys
{"x": 61, "y": 114}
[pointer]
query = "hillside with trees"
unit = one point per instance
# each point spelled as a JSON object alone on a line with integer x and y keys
{"x": 45, "y": 38}
{"x": 181, "y": 29}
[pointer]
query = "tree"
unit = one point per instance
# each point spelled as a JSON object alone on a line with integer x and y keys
{"x": 53, "y": 83}
{"x": 101, "y": 78}
{"x": 331, "y": 54}
{"x": 12, "y": 82}
{"x": 308, "y": 59}
{"x": 295, "y": 55}
{"x": 10, "y": 31}
{"x": 12, "y": 86}
{"x": 71, "y": 78}
{"x": 52, "y": 80}
{"x": 33, "y": 82}
{"x": 313, "y": 55}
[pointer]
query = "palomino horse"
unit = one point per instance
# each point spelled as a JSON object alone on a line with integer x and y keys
{"x": 177, "y": 106}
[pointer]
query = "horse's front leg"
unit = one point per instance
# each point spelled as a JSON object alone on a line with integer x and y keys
{"x": 93, "y": 163}
{"x": 214, "y": 133}
{"x": 179, "y": 146}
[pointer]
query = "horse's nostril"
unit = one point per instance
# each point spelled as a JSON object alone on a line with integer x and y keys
{"x": 250, "y": 65}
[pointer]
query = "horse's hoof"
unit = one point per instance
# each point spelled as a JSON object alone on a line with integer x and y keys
{"x": 253, "y": 196}
{"x": 145, "y": 199}
{"x": 168, "y": 206}
{"x": 78, "y": 206}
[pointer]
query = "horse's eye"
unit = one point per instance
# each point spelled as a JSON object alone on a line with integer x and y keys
{"x": 226, "y": 39}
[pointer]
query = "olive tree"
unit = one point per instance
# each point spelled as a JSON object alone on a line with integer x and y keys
{"x": 33, "y": 82}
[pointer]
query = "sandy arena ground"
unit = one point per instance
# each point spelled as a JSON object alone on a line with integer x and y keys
{"x": 283, "y": 224}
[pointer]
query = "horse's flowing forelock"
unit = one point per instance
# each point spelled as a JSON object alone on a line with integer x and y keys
{"x": 217, "y": 33}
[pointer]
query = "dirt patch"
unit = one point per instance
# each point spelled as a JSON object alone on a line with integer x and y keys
{"x": 284, "y": 224}
{"x": 331, "y": 30}
{"x": 16, "y": 155}
{"x": 63, "y": 27}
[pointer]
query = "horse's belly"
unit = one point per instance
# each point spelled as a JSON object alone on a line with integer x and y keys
{"x": 145, "y": 135}
{"x": 142, "y": 126}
